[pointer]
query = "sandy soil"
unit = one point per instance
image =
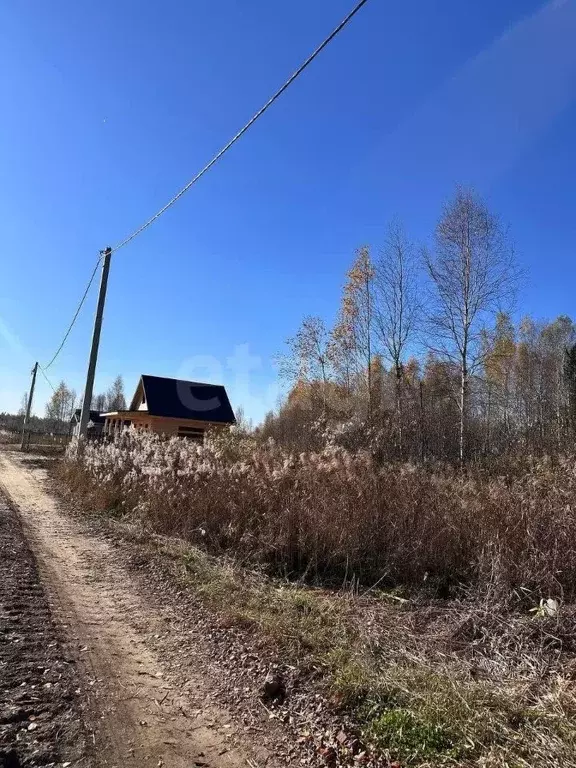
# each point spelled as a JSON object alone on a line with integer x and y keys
{"x": 137, "y": 711}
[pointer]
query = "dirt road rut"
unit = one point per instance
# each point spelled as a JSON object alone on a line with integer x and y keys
{"x": 40, "y": 723}
{"x": 139, "y": 717}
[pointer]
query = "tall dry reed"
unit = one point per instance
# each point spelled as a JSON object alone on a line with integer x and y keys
{"x": 336, "y": 515}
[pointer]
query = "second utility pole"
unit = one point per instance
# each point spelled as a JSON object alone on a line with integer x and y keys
{"x": 28, "y": 407}
{"x": 87, "y": 401}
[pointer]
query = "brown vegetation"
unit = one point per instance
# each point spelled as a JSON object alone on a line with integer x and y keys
{"x": 339, "y": 516}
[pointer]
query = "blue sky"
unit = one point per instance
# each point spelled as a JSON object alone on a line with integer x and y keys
{"x": 108, "y": 108}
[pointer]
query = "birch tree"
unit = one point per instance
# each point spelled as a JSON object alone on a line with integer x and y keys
{"x": 99, "y": 402}
{"x": 357, "y": 315}
{"x": 397, "y": 308}
{"x": 23, "y": 404}
{"x": 342, "y": 354}
{"x": 472, "y": 274}
{"x": 60, "y": 407}
{"x": 498, "y": 360}
{"x": 308, "y": 357}
{"x": 115, "y": 398}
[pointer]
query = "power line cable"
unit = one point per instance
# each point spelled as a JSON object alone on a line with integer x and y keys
{"x": 78, "y": 308}
{"x": 243, "y": 130}
{"x": 201, "y": 173}
{"x": 47, "y": 379}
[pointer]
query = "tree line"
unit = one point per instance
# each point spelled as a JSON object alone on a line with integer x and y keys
{"x": 63, "y": 402}
{"x": 424, "y": 360}
{"x": 61, "y": 406}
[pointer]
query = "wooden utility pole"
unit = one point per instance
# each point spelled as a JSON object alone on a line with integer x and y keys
{"x": 87, "y": 401}
{"x": 28, "y": 407}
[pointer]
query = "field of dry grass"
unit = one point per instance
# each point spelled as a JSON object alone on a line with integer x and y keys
{"x": 437, "y": 605}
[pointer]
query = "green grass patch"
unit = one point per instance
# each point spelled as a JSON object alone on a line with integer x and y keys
{"x": 409, "y": 737}
{"x": 295, "y": 619}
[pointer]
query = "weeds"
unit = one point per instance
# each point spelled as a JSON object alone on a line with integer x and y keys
{"x": 334, "y": 516}
{"x": 408, "y": 736}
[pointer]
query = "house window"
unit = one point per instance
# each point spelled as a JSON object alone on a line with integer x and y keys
{"x": 127, "y": 422}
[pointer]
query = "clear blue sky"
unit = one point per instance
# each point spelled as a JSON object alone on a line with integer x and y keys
{"x": 108, "y": 108}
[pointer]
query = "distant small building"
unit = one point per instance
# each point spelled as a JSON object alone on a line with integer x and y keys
{"x": 173, "y": 407}
{"x": 95, "y": 423}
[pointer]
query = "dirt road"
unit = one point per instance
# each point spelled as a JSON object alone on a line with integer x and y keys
{"x": 138, "y": 714}
{"x": 40, "y": 723}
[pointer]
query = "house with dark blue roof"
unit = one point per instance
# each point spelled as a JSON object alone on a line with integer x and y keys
{"x": 174, "y": 407}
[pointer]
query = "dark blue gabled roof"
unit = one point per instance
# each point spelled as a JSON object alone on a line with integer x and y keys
{"x": 178, "y": 399}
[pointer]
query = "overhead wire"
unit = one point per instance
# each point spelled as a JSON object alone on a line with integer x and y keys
{"x": 76, "y": 313}
{"x": 201, "y": 173}
{"x": 47, "y": 379}
{"x": 243, "y": 130}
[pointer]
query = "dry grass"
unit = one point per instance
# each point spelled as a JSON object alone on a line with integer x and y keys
{"x": 429, "y": 682}
{"x": 453, "y": 683}
{"x": 484, "y": 678}
{"x": 342, "y": 517}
